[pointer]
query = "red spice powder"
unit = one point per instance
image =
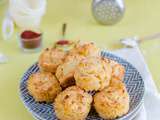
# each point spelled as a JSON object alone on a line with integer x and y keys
{"x": 62, "y": 42}
{"x": 29, "y": 34}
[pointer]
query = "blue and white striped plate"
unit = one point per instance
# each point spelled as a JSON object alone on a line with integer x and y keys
{"x": 132, "y": 79}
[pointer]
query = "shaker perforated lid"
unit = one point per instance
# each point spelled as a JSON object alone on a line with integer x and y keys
{"x": 108, "y": 11}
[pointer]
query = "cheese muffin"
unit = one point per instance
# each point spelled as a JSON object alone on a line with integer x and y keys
{"x": 43, "y": 86}
{"x": 65, "y": 71}
{"x": 72, "y": 104}
{"x": 92, "y": 74}
{"x": 85, "y": 49}
{"x": 113, "y": 101}
{"x": 50, "y": 59}
{"x": 118, "y": 70}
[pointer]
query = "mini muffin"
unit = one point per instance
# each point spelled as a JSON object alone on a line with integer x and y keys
{"x": 72, "y": 104}
{"x": 43, "y": 86}
{"x": 85, "y": 49}
{"x": 118, "y": 71}
{"x": 50, "y": 59}
{"x": 92, "y": 74}
{"x": 112, "y": 102}
{"x": 65, "y": 71}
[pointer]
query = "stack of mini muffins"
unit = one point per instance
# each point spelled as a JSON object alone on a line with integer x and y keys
{"x": 66, "y": 78}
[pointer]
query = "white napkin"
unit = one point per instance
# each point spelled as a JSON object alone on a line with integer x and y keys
{"x": 151, "y": 106}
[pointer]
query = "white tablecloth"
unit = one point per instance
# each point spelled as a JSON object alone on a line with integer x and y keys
{"x": 151, "y": 107}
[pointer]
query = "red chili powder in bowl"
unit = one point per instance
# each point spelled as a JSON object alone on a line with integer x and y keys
{"x": 30, "y": 39}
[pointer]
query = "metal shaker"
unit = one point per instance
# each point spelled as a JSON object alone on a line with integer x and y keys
{"x": 108, "y": 12}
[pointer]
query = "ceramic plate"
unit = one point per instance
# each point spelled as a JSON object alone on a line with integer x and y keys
{"x": 132, "y": 79}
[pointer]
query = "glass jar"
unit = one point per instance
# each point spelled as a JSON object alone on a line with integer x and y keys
{"x": 30, "y": 40}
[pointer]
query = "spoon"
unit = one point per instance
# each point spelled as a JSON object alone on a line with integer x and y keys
{"x": 133, "y": 41}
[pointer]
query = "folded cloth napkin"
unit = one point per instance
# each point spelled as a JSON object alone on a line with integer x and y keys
{"x": 151, "y": 107}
